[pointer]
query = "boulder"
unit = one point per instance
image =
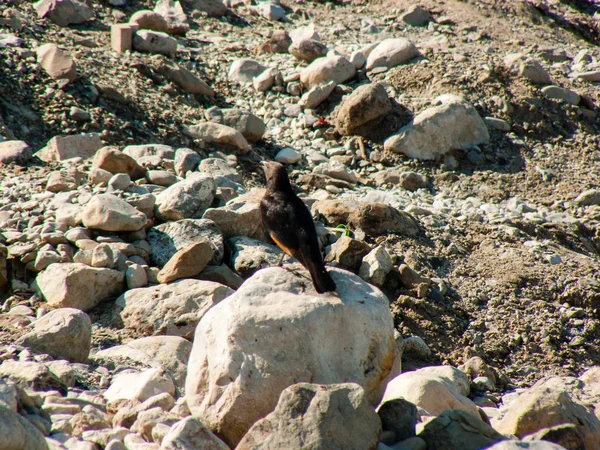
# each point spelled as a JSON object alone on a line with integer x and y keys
{"x": 367, "y": 103}
{"x": 60, "y": 148}
{"x": 317, "y": 416}
{"x": 252, "y": 127}
{"x": 234, "y": 379}
{"x": 64, "y": 12}
{"x": 324, "y": 70}
{"x": 76, "y": 285}
{"x": 458, "y": 430}
{"x": 143, "y": 151}
{"x": 168, "y": 238}
{"x": 186, "y": 199}
{"x": 186, "y": 160}
{"x": 215, "y": 133}
{"x": 431, "y": 391}
{"x": 115, "y": 161}
{"x": 110, "y": 213}
{"x": 166, "y": 353}
{"x": 170, "y": 309}
{"x": 15, "y": 152}
{"x": 560, "y": 93}
{"x": 391, "y": 52}
{"x": 62, "y": 333}
{"x": 190, "y": 434}
{"x": 455, "y": 124}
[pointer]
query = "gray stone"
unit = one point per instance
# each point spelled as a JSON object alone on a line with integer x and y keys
{"x": 317, "y": 95}
{"x": 15, "y": 152}
{"x": 110, "y": 213}
{"x": 173, "y": 13}
{"x": 186, "y": 160}
{"x": 453, "y": 125}
{"x": 64, "y": 12}
{"x": 185, "y": 79}
{"x": 527, "y": 67}
{"x": 187, "y": 199}
{"x": 213, "y": 8}
{"x": 115, "y": 161}
{"x": 308, "y": 50}
{"x": 324, "y": 70}
{"x": 154, "y": 42}
{"x": 320, "y": 416}
{"x": 142, "y": 151}
{"x": 588, "y": 197}
{"x": 60, "y": 148}
{"x": 17, "y": 433}
{"x": 400, "y": 417}
{"x": 139, "y": 386}
{"x": 166, "y": 239}
{"x": 244, "y": 70}
{"x": 416, "y": 16}
{"x": 189, "y": 434}
{"x": 375, "y": 266}
{"x": 62, "y": 333}
{"x": 367, "y": 103}
{"x": 348, "y": 253}
{"x": 564, "y": 94}
{"x": 288, "y": 156}
{"x": 216, "y": 133}
{"x": 240, "y": 217}
{"x": 335, "y": 169}
{"x": 250, "y": 255}
{"x": 391, "y": 52}
{"x": 145, "y": 19}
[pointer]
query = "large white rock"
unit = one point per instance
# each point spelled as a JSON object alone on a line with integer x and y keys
{"x": 324, "y": 70}
{"x": 429, "y": 390}
{"x": 167, "y": 353}
{"x": 187, "y": 199}
{"x": 317, "y": 416}
{"x": 454, "y": 124}
{"x": 77, "y": 285}
{"x": 110, "y": 213}
{"x": 62, "y": 333}
{"x": 139, "y": 386}
{"x": 170, "y": 309}
{"x": 276, "y": 331}
{"x": 391, "y": 52}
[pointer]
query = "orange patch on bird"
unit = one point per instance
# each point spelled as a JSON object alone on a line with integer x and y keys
{"x": 281, "y": 246}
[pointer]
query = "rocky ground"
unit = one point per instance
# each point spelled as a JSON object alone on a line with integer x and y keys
{"x": 449, "y": 154}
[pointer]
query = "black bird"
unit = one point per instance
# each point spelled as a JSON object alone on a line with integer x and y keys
{"x": 291, "y": 227}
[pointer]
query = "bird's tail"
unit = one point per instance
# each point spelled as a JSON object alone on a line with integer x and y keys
{"x": 320, "y": 277}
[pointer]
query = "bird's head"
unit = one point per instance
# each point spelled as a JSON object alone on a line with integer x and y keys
{"x": 275, "y": 173}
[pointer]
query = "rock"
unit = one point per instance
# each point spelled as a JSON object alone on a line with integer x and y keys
{"x": 391, "y": 53}
{"x": 155, "y": 42}
{"x": 218, "y": 390}
{"x": 121, "y": 37}
{"x": 185, "y": 79}
{"x": 546, "y": 406}
{"x": 56, "y": 62}
{"x": 244, "y": 70}
{"x": 367, "y": 103}
{"x": 15, "y": 152}
{"x": 525, "y": 445}
{"x": 75, "y": 285}
{"x": 166, "y": 353}
{"x": 308, "y": 50}
{"x": 139, "y": 386}
{"x": 64, "y": 12}
{"x": 348, "y": 253}
{"x": 249, "y": 255}
{"x": 497, "y": 124}
{"x": 251, "y": 126}
{"x": 568, "y": 436}
{"x": 416, "y": 16}
{"x": 187, "y": 199}
{"x": 375, "y": 266}
{"x": 218, "y": 168}
{"x": 305, "y": 32}
{"x": 373, "y": 218}
{"x": 62, "y": 333}
{"x": 278, "y": 43}
{"x": 588, "y": 197}
{"x": 266, "y": 79}
{"x": 186, "y": 160}
{"x": 453, "y": 125}
{"x": 591, "y": 76}
{"x": 433, "y": 392}
{"x": 173, "y": 310}
{"x": 527, "y": 67}
{"x": 168, "y": 238}
{"x": 223, "y": 275}
{"x": 142, "y": 151}
{"x": 270, "y": 11}
{"x": 337, "y": 170}
{"x": 173, "y": 14}
{"x": 115, "y": 161}
{"x": 288, "y": 156}
{"x": 324, "y": 70}
{"x": 476, "y": 367}
{"x": 240, "y": 217}
{"x": 400, "y": 417}
{"x": 61, "y": 182}
{"x": 161, "y": 177}
{"x": 99, "y": 176}
{"x": 136, "y": 276}
{"x": 110, "y": 213}
{"x": 189, "y": 434}
{"x": 317, "y": 95}
{"x": 17, "y": 433}
{"x": 31, "y": 374}
{"x": 558, "y": 93}
{"x": 79, "y": 114}
{"x": 213, "y": 8}
{"x": 145, "y": 19}
{"x": 215, "y": 133}
{"x": 317, "y": 416}
{"x": 187, "y": 262}
{"x": 458, "y": 430}
{"x": 60, "y": 148}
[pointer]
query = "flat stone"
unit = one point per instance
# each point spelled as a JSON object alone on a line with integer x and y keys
{"x": 391, "y": 52}
{"x": 564, "y": 94}
{"x": 60, "y": 148}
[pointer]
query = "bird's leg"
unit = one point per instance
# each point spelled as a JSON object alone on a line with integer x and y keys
{"x": 280, "y": 263}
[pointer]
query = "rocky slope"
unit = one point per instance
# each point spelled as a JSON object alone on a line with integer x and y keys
{"x": 448, "y": 151}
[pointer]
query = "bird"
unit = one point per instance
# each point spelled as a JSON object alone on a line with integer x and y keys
{"x": 290, "y": 225}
